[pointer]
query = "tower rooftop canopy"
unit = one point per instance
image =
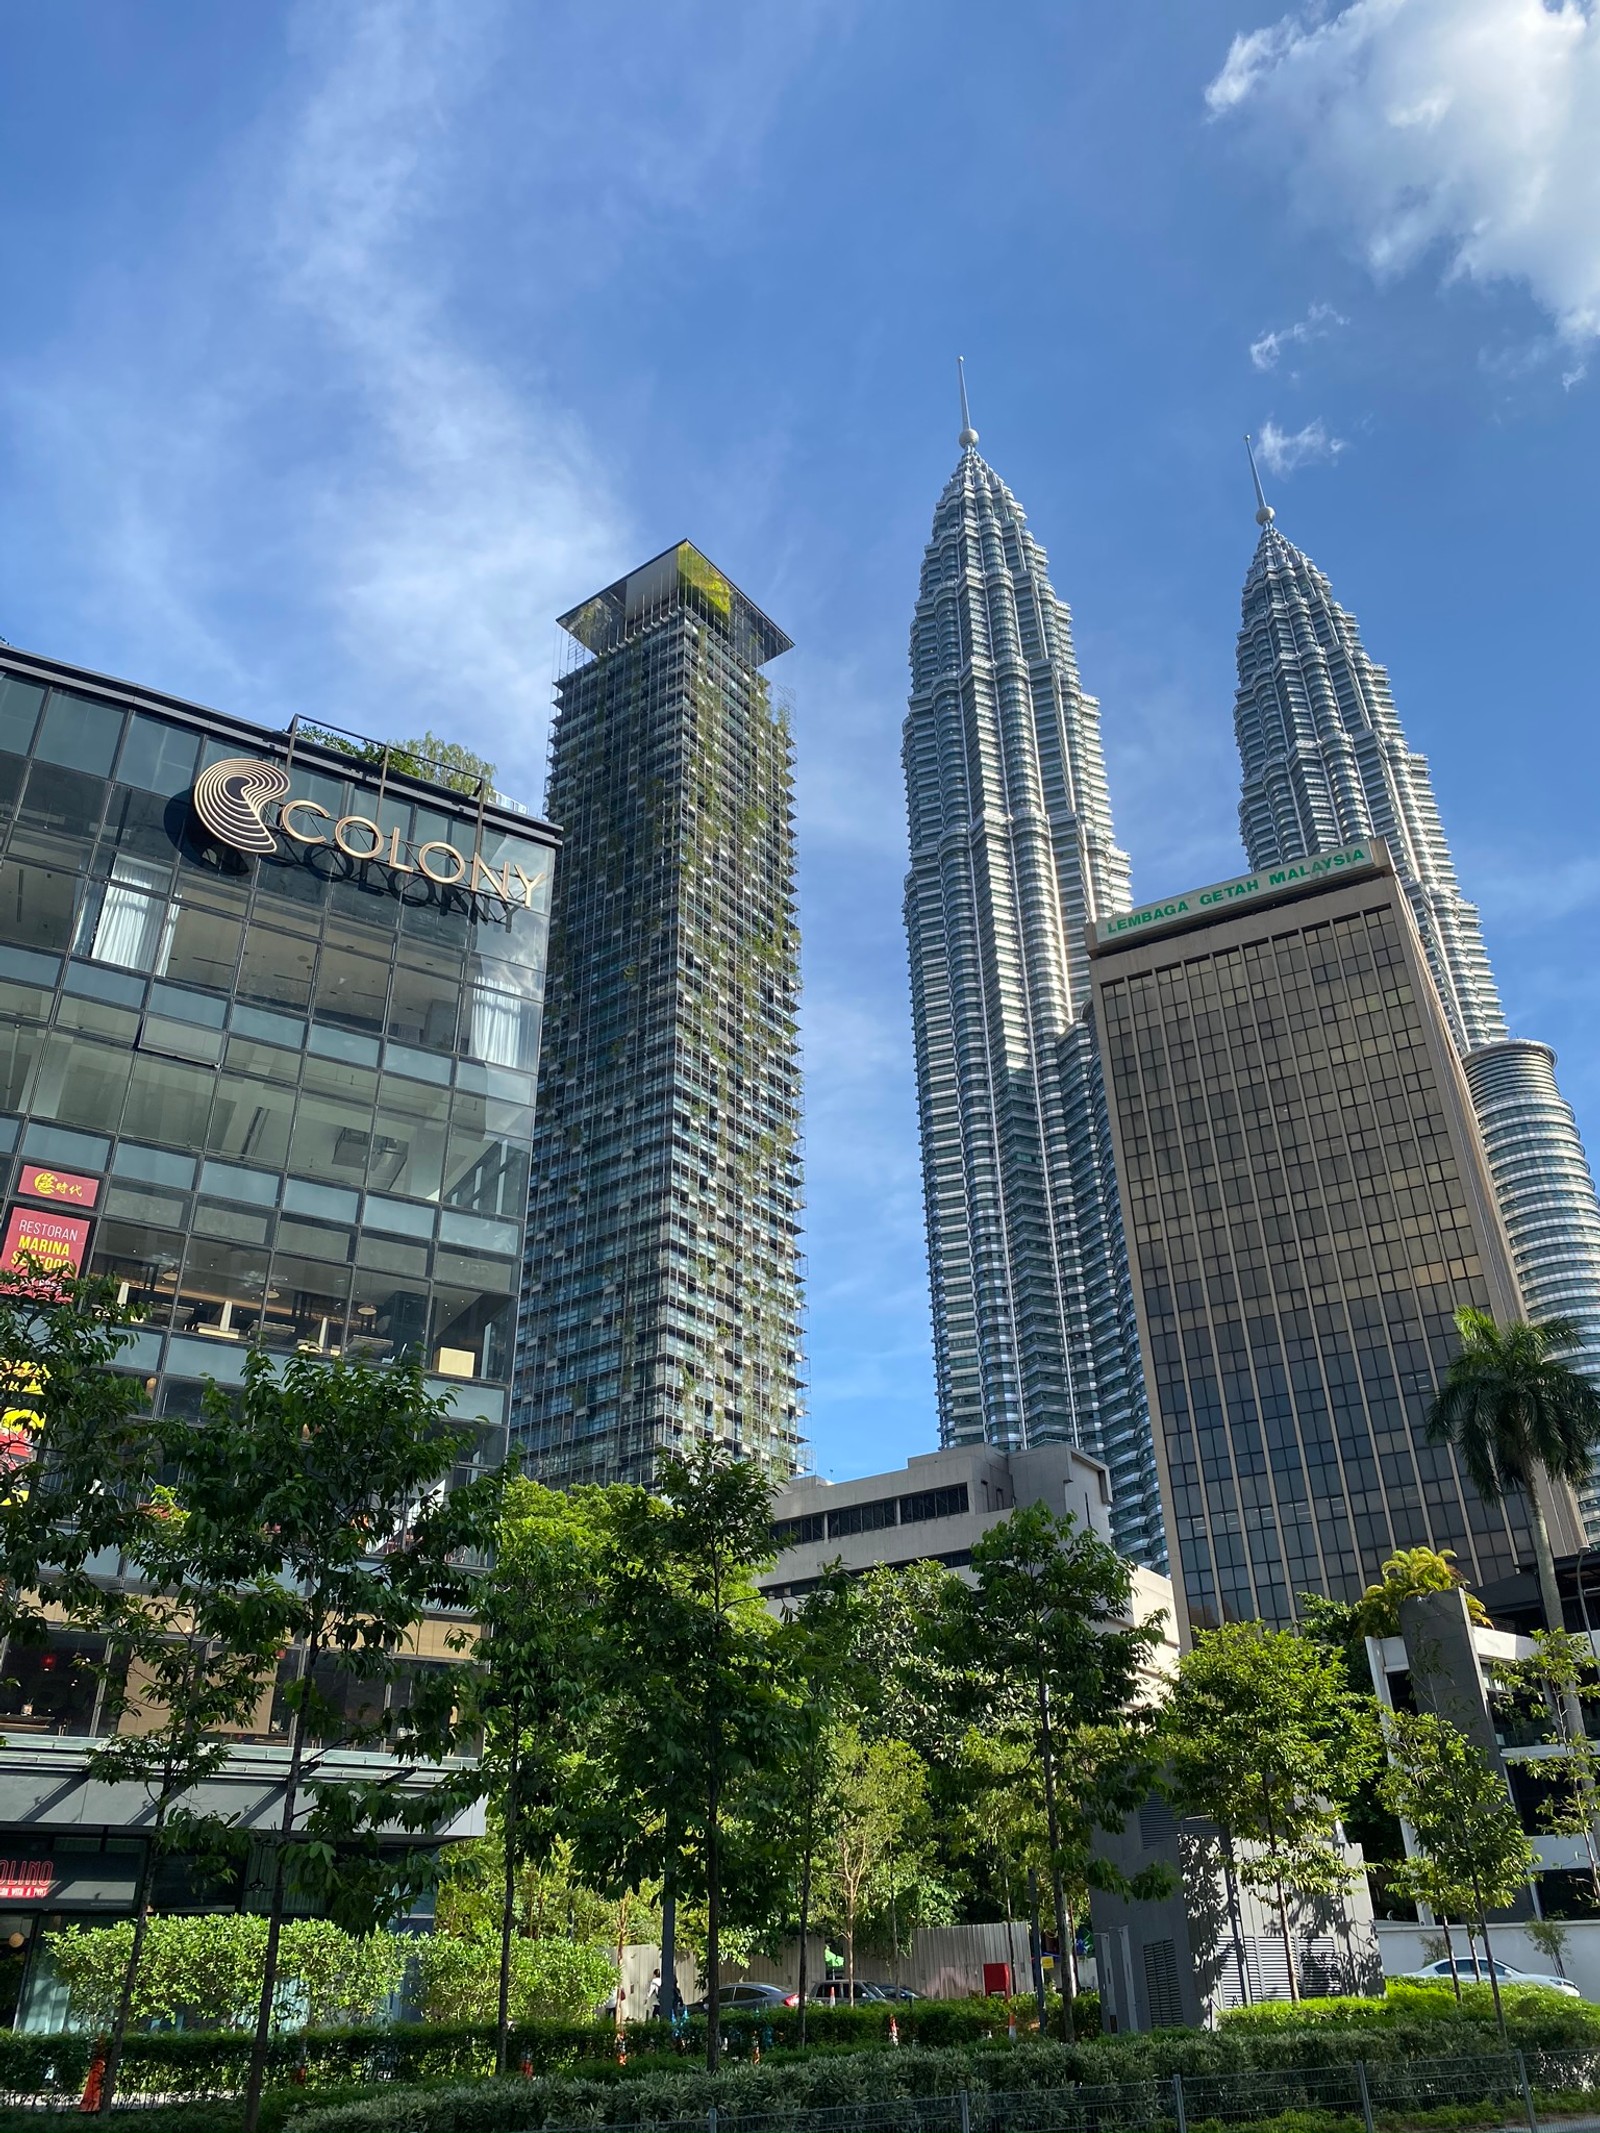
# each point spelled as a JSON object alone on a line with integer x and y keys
{"x": 681, "y": 576}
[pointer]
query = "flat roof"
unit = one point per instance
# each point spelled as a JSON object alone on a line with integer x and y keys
{"x": 59, "y": 673}
{"x": 1221, "y": 899}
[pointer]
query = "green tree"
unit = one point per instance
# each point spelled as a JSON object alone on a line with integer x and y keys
{"x": 874, "y": 1810}
{"x": 1265, "y": 1738}
{"x": 1557, "y": 1678}
{"x": 1515, "y": 1408}
{"x": 438, "y": 762}
{"x": 197, "y": 1649}
{"x": 325, "y": 1486}
{"x": 536, "y": 1682}
{"x": 1050, "y": 1614}
{"x": 551, "y": 1980}
{"x": 1409, "y": 1573}
{"x": 823, "y": 1634}
{"x": 1463, "y": 1819}
{"x": 77, "y": 1452}
{"x": 700, "y": 1705}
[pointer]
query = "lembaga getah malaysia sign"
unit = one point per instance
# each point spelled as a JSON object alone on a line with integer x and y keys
{"x": 1197, "y": 902}
{"x": 232, "y": 798}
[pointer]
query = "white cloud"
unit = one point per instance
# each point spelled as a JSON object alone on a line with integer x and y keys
{"x": 1319, "y": 321}
{"x": 465, "y": 507}
{"x": 1465, "y": 128}
{"x": 1282, "y": 451}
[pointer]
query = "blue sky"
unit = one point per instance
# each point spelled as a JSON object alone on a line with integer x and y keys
{"x": 346, "y": 345}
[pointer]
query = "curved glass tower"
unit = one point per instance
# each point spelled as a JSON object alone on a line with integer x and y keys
{"x": 1325, "y": 764}
{"x": 1012, "y": 857}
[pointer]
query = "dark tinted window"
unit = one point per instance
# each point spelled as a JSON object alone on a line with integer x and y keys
{"x": 862, "y": 1518}
{"x": 933, "y": 1503}
{"x": 796, "y": 1532}
{"x": 19, "y": 712}
{"x": 156, "y": 757}
{"x": 80, "y": 731}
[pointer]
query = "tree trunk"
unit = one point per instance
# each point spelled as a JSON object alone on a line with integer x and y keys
{"x": 1036, "y": 1948}
{"x": 713, "y": 1932}
{"x": 1488, "y": 1955}
{"x": 1549, "y": 1590}
{"x": 1053, "y": 1829}
{"x": 130, "y": 1976}
{"x": 262, "y": 2041}
{"x": 1235, "y": 1919}
{"x": 667, "y": 1995}
{"x": 1288, "y": 1942}
{"x": 508, "y": 1903}
{"x": 1450, "y": 1957}
{"x": 805, "y": 1891}
{"x": 1277, "y": 1882}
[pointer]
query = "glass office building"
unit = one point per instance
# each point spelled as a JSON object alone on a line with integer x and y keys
{"x": 269, "y": 1042}
{"x": 1307, "y": 1205}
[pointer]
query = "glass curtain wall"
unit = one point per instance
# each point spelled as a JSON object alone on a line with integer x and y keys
{"x": 309, "y": 1096}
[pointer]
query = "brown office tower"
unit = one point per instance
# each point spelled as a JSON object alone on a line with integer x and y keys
{"x": 1307, "y": 1205}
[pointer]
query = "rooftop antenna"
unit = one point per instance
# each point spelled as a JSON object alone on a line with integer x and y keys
{"x": 969, "y": 435}
{"x": 1264, "y": 511}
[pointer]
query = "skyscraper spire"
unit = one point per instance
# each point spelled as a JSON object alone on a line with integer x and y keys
{"x": 1264, "y": 511}
{"x": 969, "y": 435}
{"x": 1012, "y": 854}
{"x": 1326, "y": 763}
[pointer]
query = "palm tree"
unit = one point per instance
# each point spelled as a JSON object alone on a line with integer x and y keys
{"x": 1514, "y": 1409}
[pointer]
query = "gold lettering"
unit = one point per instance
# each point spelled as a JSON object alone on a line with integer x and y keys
{"x": 528, "y": 886}
{"x": 302, "y": 807}
{"x": 500, "y": 883}
{"x": 444, "y": 880}
{"x": 349, "y": 822}
{"x": 391, "y": 857}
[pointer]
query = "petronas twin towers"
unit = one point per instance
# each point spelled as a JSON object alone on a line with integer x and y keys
{"x": 1012, "y": 857}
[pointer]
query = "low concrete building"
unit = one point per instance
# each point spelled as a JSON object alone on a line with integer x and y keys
{"x": 1212, "y": 1943}
{"x": 930, "y": 1510}
{"x": 1443, "y": 1663}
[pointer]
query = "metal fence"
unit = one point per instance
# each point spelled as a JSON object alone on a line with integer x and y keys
{"x": 1534, "y": 2091}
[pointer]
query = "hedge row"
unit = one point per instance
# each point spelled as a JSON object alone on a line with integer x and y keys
{"x": 193, "y": 2063}
{"x": 878, "y": 2079}
{"x": 960, "y": 2043}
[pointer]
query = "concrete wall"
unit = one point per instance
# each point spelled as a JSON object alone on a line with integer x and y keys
{"x": 1404, "y": 1948}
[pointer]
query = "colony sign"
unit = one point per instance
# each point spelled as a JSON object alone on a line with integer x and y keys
{"x": 1202, "y": 903}
{"x": 232, "y": 798}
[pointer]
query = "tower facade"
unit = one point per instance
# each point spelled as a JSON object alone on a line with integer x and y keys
{"x": 661, "y": 1300}
{"x": 1308, "y": 1206}
{"x": 1325, "y": 764}
{"x": 1012, "y": 857}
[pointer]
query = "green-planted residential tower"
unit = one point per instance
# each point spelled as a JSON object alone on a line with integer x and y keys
{"x": 661, "y": 1300}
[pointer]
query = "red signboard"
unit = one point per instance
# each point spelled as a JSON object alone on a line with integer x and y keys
{"x": 55, "y": 1243}
{"x": 64, "y": 1187}
{"x": 26, "y": 1880}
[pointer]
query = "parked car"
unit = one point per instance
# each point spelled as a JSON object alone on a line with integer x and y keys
{"x": 747, "y": 1998}
{"x": 1439, "y": 1973}
{"x": 840, "y": 1991}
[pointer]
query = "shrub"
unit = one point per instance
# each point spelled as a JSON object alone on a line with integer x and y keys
{"x": 1561, "y": 2018}
{"x": 206, "y": 1972}
{"x": 551, "y": 1980}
